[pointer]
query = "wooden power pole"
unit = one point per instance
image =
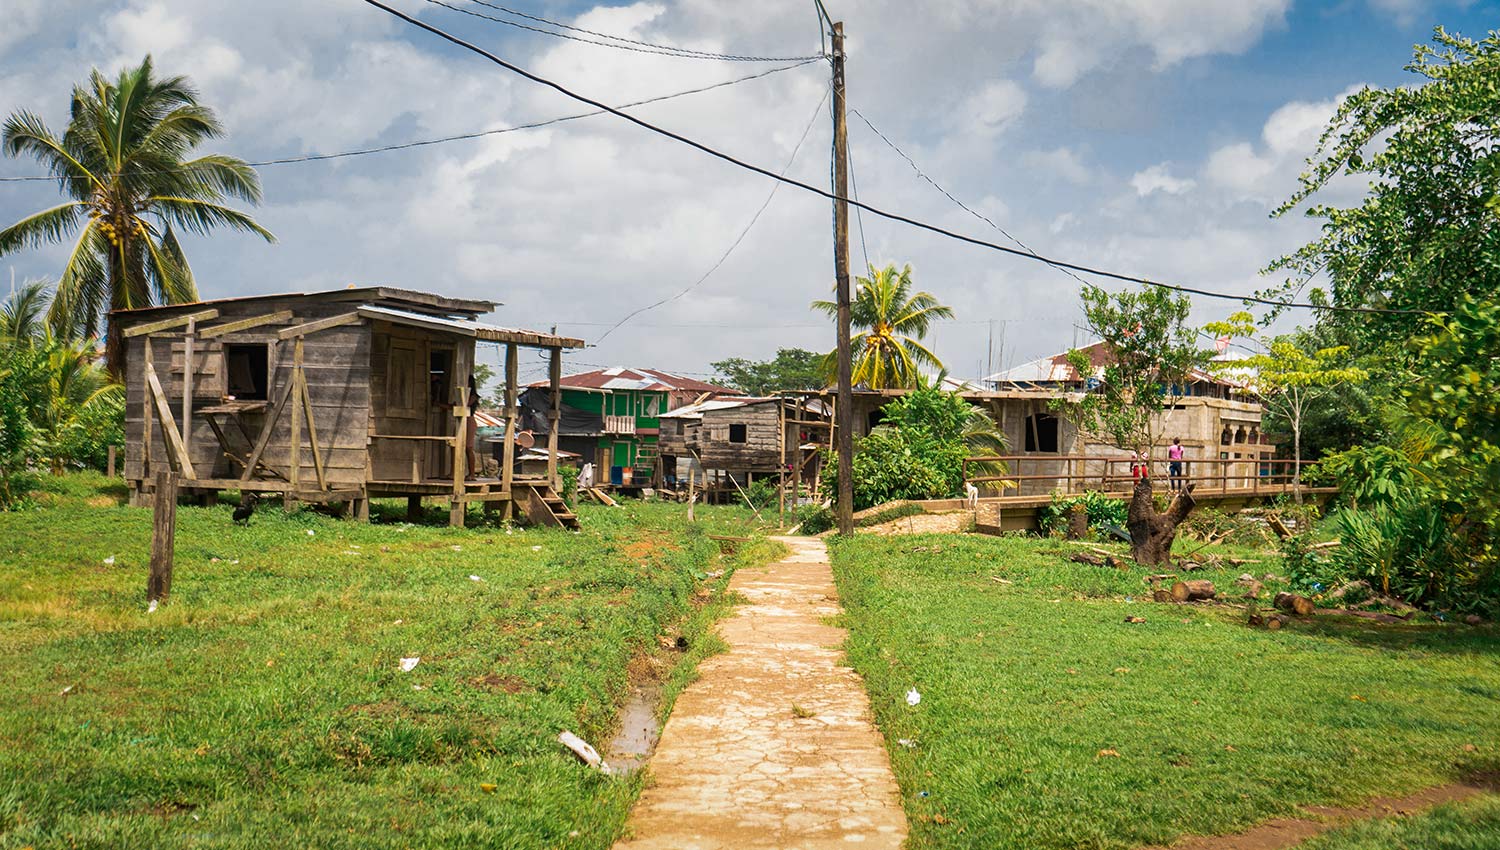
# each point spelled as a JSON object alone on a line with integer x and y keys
{"x": 844, "y": 410}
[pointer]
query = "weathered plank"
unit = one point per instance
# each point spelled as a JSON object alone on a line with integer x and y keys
{"x": 164, "y": 324}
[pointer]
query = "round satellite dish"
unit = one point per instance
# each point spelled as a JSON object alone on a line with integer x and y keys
{"x": 525, "y": 440}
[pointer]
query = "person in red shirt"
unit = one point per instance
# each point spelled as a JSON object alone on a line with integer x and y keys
{"x": 1174, "y": 463}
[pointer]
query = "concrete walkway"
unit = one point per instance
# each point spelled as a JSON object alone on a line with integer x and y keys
{"x": 737, "y": 767}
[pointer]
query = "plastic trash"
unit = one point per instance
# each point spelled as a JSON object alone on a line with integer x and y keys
{"x": 310, "y": 532}
{"x": 475, "y": 578}
{"x": 110, "y": 561}
{"x": 536, "y": 548}
{"x": 456, "y": 548}
{"x": 912, "y": 697}
{"x": 151, "y": 607}
{"x": 907, "y": 743}
{"x": 410, "y": 664}
{"x": 587, "y": 754}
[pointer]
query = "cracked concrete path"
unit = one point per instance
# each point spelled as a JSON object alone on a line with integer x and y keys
{"x": 737, "y": 767}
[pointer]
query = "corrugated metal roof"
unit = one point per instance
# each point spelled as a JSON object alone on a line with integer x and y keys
{"x": 696, "y": 411}
{"x": 467, "y": 327}
{"x": 622, "y": 378}
{"x": 1056, "y": 369}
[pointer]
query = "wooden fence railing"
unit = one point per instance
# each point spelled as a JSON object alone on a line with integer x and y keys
{"x": 1080, "y": 473}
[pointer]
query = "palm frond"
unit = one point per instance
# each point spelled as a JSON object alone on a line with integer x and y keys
{"x": 202, "y": 217}
{"x": 41, "y": 228}
{"x": 25, "y": 134}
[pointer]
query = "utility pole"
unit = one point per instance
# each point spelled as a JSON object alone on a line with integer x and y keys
{"x": 844, "y": 414}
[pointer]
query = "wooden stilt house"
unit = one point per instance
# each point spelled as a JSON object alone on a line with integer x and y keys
{"x": 339, "y": 396}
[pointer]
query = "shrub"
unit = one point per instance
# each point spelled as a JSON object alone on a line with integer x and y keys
{"x": 762, "y": 493}
{"x": 1101, "y": 509}
{"x": 1404, "y": 549}
{"x": 569, "y": 476}
{"x": 814, "y": 519}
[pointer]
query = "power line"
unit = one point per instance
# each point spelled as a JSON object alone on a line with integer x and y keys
{"x": 705, "y": 54}
{"x": 474, "y": 135}
{"x": 632, "y": 45}
{"x": 738, "y": 239}
{"x": 965, "y": 207}
{"x": 921, "y": 225}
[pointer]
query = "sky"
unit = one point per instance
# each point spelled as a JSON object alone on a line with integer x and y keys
{"x": 1150, "y": 137}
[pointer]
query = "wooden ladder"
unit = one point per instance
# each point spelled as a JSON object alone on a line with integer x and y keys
{"x": 543, "y": 506}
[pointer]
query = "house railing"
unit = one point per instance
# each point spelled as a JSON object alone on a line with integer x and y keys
{"x": 1081, "y": 473}
{"x": 619, "y": 424}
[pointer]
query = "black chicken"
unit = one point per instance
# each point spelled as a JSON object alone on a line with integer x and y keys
{"x": 246, "y": 508}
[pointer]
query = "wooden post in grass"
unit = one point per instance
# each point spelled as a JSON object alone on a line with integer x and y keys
{"x": 692, "y": 496}
{"x": 110, "y": 473}
{"x": 163, "y": 533}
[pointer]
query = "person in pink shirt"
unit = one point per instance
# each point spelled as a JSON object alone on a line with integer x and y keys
{"x": 1174, "y": 463}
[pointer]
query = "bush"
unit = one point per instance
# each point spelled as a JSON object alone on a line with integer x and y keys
{"x": 814, "y": 519}
{"x": 1404, "y": 549}
{"x": 762, "y": 493}
{"x": 1101, "y": 509}
{"x": 569, "y": 476}
{"x": 893, "y": 463}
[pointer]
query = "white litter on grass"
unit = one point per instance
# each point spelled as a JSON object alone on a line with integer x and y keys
{"x": 587, "y": 754}
{"x": 510, "y": 531}
{"x": 235, "y": 561}
{"x": 151, "y": 608}
{"x": 64, "y": 691}
{"x": 907, "y": 743}
{"x": 410, "y": 664}
{"x": 110, "y": 561}
{"x": 350, "y": 552}
{"x": 310, "y": 532}
{"x": 536, "y": 548}
{"x": 456, "y": 548}
{"x": 475, "y": 578}
{"x": 416, "y": 687}
{"x": 912, "y": 697}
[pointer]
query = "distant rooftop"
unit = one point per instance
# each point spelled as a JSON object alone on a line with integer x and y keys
{"x": 621, "y": 378}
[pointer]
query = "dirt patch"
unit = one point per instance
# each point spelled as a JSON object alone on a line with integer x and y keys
{"x": 103, "y": 502}
{"x": 497, "y": 682}
{"x": 643, "y": 548}
{"x": 1283, "y": 833}
{"x": 383, "y": 709}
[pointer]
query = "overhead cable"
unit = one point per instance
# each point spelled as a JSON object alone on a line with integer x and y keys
{"x": 922, "y": 225}
{"x": 743, "y": 233}
{"x": 318, "y": 157}
{"x": 702, "y": 54}
{"x": 634, "y": 46}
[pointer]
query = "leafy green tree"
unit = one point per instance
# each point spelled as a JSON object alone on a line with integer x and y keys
{"x": 1151, "y": 354}
{"x": 1425, "y": 234}
{"x": 1288, "y": 378}
{"x": 121, "y": 164}
{"x": 792, "y": 369}
{"x": 892, "y": 321}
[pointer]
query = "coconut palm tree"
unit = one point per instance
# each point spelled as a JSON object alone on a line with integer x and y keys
{"x": 887, "y": 351}
{"x": 121, "y": 164}
{"x": 22, "y": 314}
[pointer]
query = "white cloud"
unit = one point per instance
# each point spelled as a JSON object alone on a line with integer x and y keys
{"x": 993, "y": 106}
{"x": 1158, "y": 178}
{"x": 1064, "y": 163}
{"x": 1288, "y": 137}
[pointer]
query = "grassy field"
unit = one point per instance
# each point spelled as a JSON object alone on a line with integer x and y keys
{"x": 1048, "y": 721}
{"x": 1471, "y": 825}
{"x": 264, "y": 705}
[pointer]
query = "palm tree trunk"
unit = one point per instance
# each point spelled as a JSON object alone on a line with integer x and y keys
{"x": 114, "y": 341}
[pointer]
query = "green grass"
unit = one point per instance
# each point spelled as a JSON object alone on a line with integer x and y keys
{"x": 1470, "y": 825}
{"x": 263, "y": 706}
{"x": 1047, "y": 721}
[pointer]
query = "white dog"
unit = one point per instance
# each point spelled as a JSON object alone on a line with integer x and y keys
{"x": 971, "y": 496}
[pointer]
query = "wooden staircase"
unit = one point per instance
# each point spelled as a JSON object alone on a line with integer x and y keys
{"x": 543, "y": 506}
{"x": 647, "y": 455}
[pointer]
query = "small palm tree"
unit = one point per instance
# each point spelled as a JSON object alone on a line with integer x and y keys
{"x": 21, "y": 315}
{"x": 121, "y": 164}
{"x": 888, "y": 352}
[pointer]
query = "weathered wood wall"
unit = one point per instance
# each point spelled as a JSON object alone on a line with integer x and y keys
{"x": 761, "y": 450}
{"x": 391, "y": 460}
{"x": 337, "y": 366}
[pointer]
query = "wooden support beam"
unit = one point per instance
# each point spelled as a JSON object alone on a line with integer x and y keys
{"x": 312, "y": 427}
{"x": 187, "y": 386}
{"x": 147, "y": 414}
{"x": 554, "y": 416}
{"x": 319, "y": 325}
{"x": 508, "y": 451}
{"x": 456, "y": 506}
{"x": 168, "y": 324}
{"x": 265, "y": 431}
{"x": 246, "y": 324}
{"x": 163, "y": 536}
{"x": 294, "y": 468}
{"x": 168, "y": 426}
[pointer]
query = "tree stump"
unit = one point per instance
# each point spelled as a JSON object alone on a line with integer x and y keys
{"x": 1161, "y": 595}
{"x": 1078, "y": 522}
{"x": 1192, "y": 590}
{"x": 1152, "y": 533}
